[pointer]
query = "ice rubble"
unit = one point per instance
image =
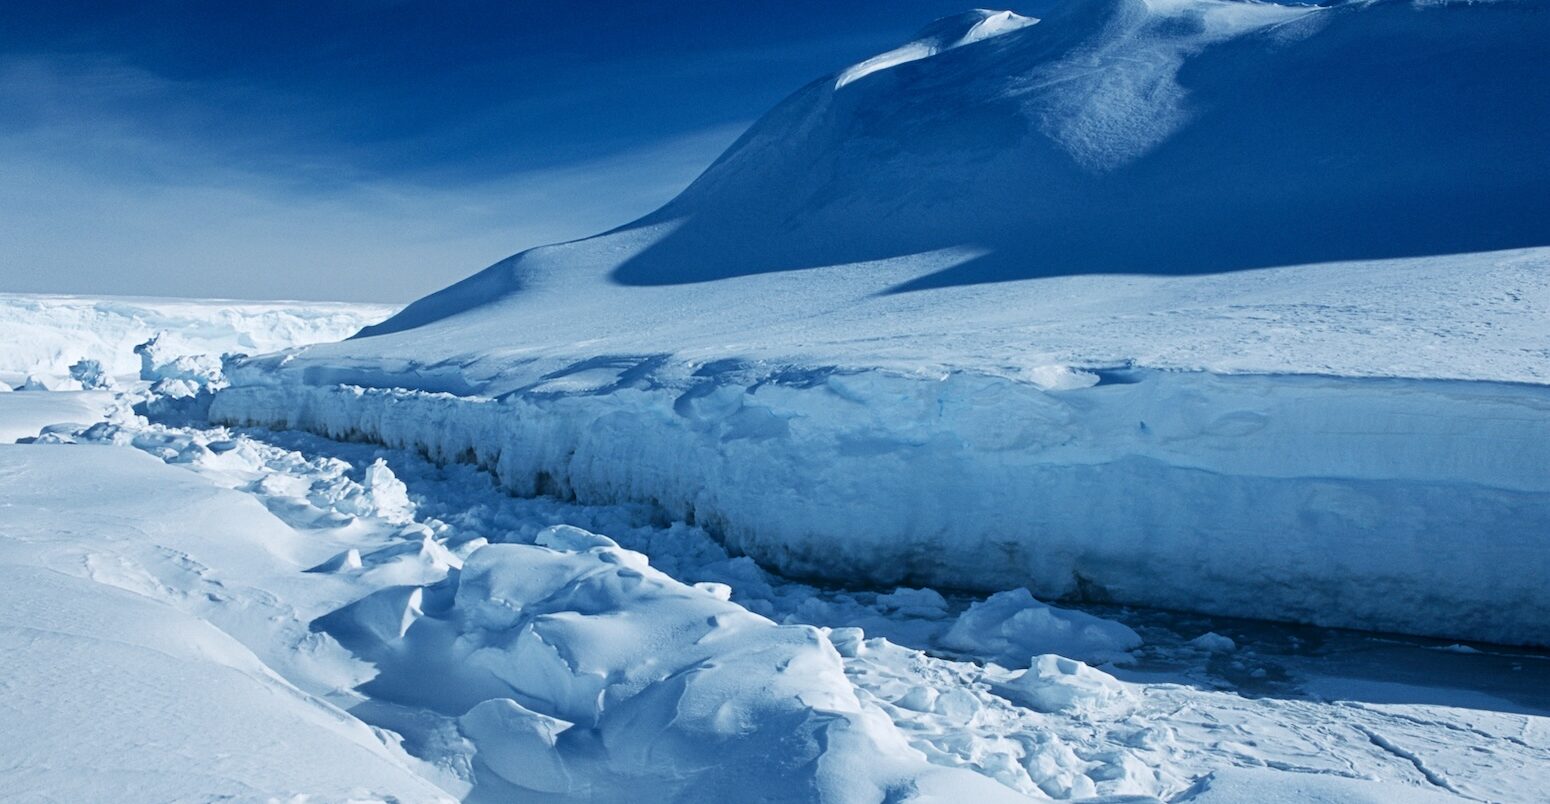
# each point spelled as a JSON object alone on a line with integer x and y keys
{"x": 573, "y": 670}
{"x": 582, "y": 673}
{"x": 1303, "y": 498}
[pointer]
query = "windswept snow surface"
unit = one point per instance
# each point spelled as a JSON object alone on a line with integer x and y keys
{"x": 1181, "y": 304}
{"x": 113, "y": 567}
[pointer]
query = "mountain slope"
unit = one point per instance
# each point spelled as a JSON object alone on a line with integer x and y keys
{"x": 1026, "y": 346}
{"x": 1163, "y": 137}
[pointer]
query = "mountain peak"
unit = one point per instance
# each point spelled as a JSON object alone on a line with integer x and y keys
{"x": 946, "y": 33}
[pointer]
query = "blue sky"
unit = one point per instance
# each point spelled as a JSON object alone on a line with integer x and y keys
{"x": 373, "y": 150}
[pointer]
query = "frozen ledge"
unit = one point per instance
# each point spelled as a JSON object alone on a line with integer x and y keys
{"x": 1416, "y": 506}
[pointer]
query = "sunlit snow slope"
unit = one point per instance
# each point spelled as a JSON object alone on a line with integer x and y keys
{"x": 1223, "y": 306}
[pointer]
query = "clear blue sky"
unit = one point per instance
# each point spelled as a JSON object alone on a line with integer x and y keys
{"x": 373, "y": 150}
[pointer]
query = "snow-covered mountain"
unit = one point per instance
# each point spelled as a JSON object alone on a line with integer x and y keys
{"x": 1220, "y": 306}
{"x": 1159, "y": 137}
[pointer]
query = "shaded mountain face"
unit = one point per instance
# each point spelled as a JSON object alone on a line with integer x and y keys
{"x": 1141, "y": 136}
{"x": 1165, "y": 137}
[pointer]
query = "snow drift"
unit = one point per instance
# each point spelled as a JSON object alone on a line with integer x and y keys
{"x": 583, "y": 674}
{"x": 1081, "y": 393}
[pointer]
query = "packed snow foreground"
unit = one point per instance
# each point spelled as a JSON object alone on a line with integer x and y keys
{"x": 192, "y": 612}
{"x": 1227, "y": 307}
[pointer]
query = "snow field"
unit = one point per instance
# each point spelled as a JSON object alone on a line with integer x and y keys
{"x": 139, "y": 663}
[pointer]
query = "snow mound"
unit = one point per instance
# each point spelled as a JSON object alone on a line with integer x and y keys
{"x": 1010, "y": 626}
{"x": 584, "y": 674}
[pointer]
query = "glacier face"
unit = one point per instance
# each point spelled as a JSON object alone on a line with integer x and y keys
{"x": 1402, "y": 505}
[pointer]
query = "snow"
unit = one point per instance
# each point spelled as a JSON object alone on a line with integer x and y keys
{"x": 619, "y": 683}
{"x": 1267, "y": 787}
{"x": 115, "y": 677}
{"x": 945, "y": 34}
{"x": 24, "y": 414}
{"x": 412, "y": 594}
{"x": 1008, "y": 627}
{"x": 1171, "y": 312}
{"x": 1131, "y": 304}
{"x": 46, "y": 334}
{"x": 1057, "y": 684}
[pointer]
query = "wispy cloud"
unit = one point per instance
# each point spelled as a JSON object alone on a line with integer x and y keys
{"x": 100, "y": 200}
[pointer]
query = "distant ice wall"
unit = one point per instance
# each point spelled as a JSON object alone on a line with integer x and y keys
{"x": 46, "y": 334}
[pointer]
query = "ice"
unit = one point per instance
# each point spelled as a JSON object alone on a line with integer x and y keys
{"x": 1008, "y": 627}
{"x": 158, "y": 363}
{"x": 1057, "y": 684}
{"x": 90, "y": 374}
{"x": 46, "y": 334}
{"x": 1268, "y": 787}
{"x": 1325, "y": 500}
{"x": 1213, "y": 642}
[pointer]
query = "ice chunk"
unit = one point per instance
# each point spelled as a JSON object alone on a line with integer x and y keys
{"x": 1007, "y": 627}
{"x": 518, "y": 744}
{"x": 567, "y": 537}
{"x": 91, "y": 375}
{"x": 1214, "y": 643}
{"x": 914, "y": 602}
{"x": 159, "y": 361}
{"x": 1057, "y": 684}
